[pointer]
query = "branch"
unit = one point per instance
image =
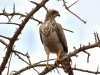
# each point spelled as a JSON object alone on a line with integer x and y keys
{"x": 52, "y": 66}
{"x": 19, "y": 14}
{"x": 70, "y": 55}
{"x": 73, "y": 4}
{"x": 68, "y": 30}
{"x": 8, "y": 38}
{"x": 10, "y": 23}
{"x": 3, "y": 42}
{"x": 88, "y": 71}
{"x": 43, "y": 65}
{"x": 15, "y": 36}
{"x": 67, "y": 8}
{"x": 38, "y": 64}
{"x": 9, "y": 64}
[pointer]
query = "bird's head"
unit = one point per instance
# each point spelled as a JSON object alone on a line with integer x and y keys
{"x": 51, "y": 14}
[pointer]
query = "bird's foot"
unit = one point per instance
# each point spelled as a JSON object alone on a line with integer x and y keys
{"x": 47, "y": 67}
{"x": 57, "y": 62}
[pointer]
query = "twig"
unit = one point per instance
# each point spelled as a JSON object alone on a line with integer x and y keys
{"x": 8, "y": 38}
{"x": 64, "y": 3}
{"x": 19, "y": 14}
{"x": 70, "y": 55}
{"x": 73, "y": 4}
{"x": 30, "y": 62}
{"x": 10, "y": 23}
{"x": 68, "y": 30}
{"x": 58, "y": 71}
{"x": 9, "y": 64}
{"x": 87, "y": 71}
{"x": 34, "y": 3}
{"x": 21, "y": 58}
{"x": 88, "y": 56}
{"x": 20, "y": 53}
{"x": 3, "y": 42}
{"x": 17, "y": 33}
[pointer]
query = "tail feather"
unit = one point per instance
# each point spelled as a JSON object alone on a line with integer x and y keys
{"x": 67, "y": 66}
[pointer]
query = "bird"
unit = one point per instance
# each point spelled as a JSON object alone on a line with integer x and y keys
{"x": 54, "y": 41}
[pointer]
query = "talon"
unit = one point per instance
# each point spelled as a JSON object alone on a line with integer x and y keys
{"x": 57, "y": 62}
{"x": 47, "y": 67}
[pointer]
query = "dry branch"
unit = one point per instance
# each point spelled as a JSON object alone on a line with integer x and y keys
{"x": 3, "y": 42}
{"x": 53, "y": 66}
{"x": 38, "y": 64}
{"x": 15, "y": 36}
{"x": 67, "y": 8}
{"x": 17, "y": 14}
{"x": 70, "y": 55}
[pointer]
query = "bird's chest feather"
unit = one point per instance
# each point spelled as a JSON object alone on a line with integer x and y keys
{"x": 51, "y": 39}
{"x": 49, "y": 28}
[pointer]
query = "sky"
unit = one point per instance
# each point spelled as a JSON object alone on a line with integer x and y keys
{"x": 29, "y": 40}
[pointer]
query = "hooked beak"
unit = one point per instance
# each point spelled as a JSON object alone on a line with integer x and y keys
{"x": 58, "y": 14}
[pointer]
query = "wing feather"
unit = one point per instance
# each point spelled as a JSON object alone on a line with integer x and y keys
{"x": 40, "y": 34}
{"x": 61, "y": 36}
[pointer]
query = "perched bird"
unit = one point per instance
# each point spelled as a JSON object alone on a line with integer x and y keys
{"x": 53, "y": 39}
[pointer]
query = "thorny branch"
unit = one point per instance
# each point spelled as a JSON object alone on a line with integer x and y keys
{"x": 17, "y": 33}
{"x": 52, "y": 66}
{"x": 70, "y": 55}
{"x": 9, "y": 64}
{"x": 4, "y": 13}
{"x": 12, "y": 40}
{"x": 3, "y": 42}
{"x": 67, "y": 8}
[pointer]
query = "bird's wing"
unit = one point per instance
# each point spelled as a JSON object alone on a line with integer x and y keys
{"x": 61, "y": 36}
{"x": 40, "y": 33}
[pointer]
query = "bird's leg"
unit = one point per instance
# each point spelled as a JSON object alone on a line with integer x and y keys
{"x": 59, "y": 56}
{"x": 47, "y": 65}
{"x": 57, "y": 62}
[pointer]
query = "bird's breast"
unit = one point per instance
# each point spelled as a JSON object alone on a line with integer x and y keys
{"x": 50, "y": 37}
{"x": 52, "y": 42}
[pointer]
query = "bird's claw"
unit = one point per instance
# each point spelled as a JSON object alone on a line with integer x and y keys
{"x": 57, "y": 62}
{"x": 47, "y": 67}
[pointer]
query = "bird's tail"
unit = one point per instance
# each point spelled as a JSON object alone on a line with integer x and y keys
{"x": 67, "y": 66}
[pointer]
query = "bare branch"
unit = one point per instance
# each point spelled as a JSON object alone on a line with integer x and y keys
{"x": 18, "y": 14}
{"x": 88, "y": 56}
{"x": 64, "y": 3}
{"x": 15, "y": 51}
{"x": 9, "y": 64}
{"x": 87, "y": 71}
{"x": 3, "y": 42}
{"x": 8, "y": 38}
{"x": 10, "y": 23}
{"x": 73, "y": 4}
{"x": 34, "y": 3}
{"x": 15, "y": 36}
{"x": 68, "y": 30}
{"x": 70, "y": 55}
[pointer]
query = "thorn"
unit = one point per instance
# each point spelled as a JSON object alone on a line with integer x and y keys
{"x": 89, "y": 43}
{"x": 4, "y": 10}
{"x": 34, "y": 3}
{"x": 75, "y": 65}
{"x": 20, "y": 16}
{"x": 98, "y": 37}
{"x": 97, "y": 70}
{"x": 74, "y": 48}
{"x": 13, "y": 7}
{"x": 26, "y": 13}
{"x": 80, "y": 46}
{"x": 88, "y": 59}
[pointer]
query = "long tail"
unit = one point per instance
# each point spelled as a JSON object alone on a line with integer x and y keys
{"x": 67, "y": 66}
